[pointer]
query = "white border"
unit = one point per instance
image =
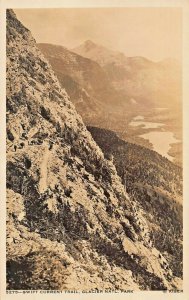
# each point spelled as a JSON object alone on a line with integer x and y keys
{"x": 184, "y": 4}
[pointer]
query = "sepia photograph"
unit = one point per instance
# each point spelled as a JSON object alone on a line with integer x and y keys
{"x": 94, "y": 149}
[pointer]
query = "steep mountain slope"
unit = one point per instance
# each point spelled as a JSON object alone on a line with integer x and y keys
{"x": 156, "y": 184}
{"x": 84, "y": 79}
{"x": 70, "y": 224}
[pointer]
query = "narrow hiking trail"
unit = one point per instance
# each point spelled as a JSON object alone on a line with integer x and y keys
{"x": 44, "y": 170}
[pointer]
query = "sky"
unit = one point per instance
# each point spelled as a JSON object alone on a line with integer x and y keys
{"x": 154, "y": 33}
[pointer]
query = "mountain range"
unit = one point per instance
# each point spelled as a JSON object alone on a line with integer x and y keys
{"x": 159, "y": 83}
{"x": 129, "y": 79}
{"x": 109, "y": 89}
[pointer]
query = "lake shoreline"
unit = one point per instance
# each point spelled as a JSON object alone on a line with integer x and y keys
{"x": 155, "y": 133}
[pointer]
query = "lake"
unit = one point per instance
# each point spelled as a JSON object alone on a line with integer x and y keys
{"x": 161, "y": 141}
{"x": 139, "y": 121}
{"x": 146, "y": 124}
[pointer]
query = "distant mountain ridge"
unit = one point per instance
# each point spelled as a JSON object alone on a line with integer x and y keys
{"x": 116, "y": 79}
{"x": 105, "y": 55}
{"x": 99, "y": 53}
{"x": 138, "y": 77}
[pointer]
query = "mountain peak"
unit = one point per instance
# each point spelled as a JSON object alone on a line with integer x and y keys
{"x": 88, "y": 45}
{"x": 99, "y": 53}
{"x": 89, "y": 42}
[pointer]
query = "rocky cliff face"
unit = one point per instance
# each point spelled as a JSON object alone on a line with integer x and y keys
{"x": 70, "y": 224}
